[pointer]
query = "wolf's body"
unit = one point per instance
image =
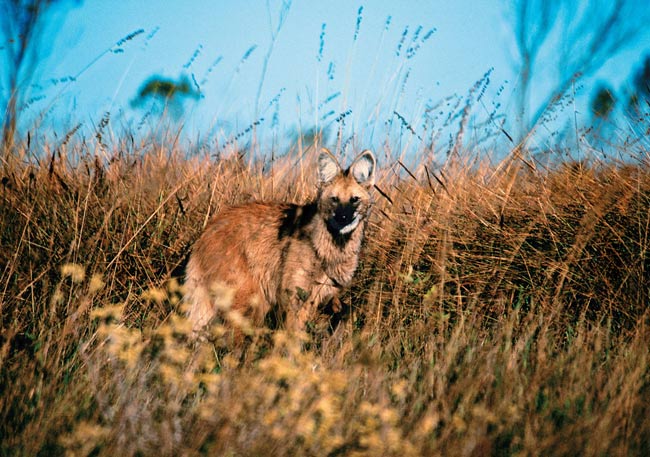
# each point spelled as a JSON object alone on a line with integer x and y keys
{"x": 285, "y": 258}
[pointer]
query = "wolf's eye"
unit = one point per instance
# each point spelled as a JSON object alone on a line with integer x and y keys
{"x": 334, "y": 199}
{"x": 354, "y": 199}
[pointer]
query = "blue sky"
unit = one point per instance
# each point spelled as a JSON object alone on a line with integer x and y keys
{"x": 470, "y": 38}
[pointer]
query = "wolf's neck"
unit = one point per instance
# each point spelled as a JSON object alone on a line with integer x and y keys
{"x": 332, "y": 245}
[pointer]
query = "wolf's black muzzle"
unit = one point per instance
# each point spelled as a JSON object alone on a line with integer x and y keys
{"x": 344, "y": 214}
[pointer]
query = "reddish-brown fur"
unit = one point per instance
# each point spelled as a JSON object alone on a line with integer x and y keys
{"x": 290, "y": 259}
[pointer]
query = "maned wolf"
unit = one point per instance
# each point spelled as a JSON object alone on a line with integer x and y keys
{"x": 289, "y": 259}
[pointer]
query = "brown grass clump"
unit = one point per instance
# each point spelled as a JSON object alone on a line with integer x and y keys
{"x": 498, "y": 310}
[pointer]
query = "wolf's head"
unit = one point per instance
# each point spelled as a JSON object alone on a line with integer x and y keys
{"x": 344, "y": 195}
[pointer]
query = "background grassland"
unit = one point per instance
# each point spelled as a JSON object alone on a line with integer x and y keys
{"x": 499, "y": 309}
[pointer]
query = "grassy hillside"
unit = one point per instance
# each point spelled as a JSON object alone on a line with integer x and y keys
{"x": 499, "y": 309}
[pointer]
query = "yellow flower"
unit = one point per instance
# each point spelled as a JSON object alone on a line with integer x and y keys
{"x": 96, "y": 283}
{"x": 74, "y": 271}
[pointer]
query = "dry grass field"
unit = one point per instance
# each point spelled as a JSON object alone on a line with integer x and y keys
{"x": 499, "y": 309}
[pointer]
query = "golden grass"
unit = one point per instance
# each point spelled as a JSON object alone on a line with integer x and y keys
{"x": 498, "y": 310}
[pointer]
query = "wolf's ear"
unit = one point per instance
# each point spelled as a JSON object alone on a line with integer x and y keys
{"x": 328, "y": 166}
{"x": 363, "y": 168}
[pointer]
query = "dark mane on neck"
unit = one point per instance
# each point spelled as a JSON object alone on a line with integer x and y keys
{"x": 295, "y": 219}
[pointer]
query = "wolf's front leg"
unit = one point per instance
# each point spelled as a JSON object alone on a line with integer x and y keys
{"x": 304, "y": 303}
{"x": 301, "y": 307}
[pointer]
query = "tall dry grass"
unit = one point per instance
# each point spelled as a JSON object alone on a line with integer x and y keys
{"x": 498, "y": 310}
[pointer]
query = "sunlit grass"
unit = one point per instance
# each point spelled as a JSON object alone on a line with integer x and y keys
{"x": 498, "y": 309}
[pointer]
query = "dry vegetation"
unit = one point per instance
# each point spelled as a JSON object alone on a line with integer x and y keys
{"x": 499, "y": 309}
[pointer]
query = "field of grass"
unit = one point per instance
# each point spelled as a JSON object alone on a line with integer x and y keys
{"x": 500, "y": 309}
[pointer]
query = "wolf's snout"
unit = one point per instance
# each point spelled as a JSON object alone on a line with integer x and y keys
{"x": 344, "y": 214}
